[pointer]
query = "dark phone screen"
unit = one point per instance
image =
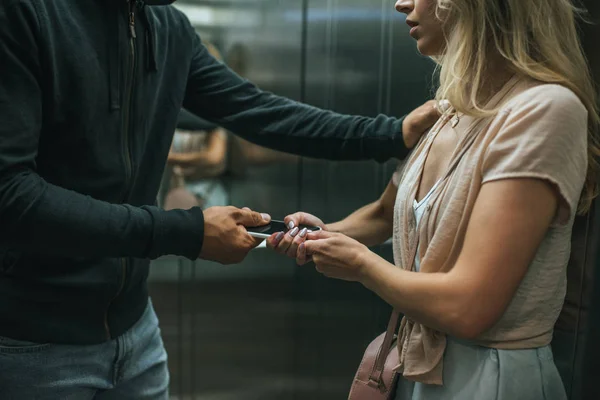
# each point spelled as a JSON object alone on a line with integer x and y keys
{"x": 276, "y": 227}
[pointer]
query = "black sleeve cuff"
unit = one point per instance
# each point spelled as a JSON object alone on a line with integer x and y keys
{"x": 383, "y": 146}
{"x": 400, "y": 149}
{"x": 177, "y": 232}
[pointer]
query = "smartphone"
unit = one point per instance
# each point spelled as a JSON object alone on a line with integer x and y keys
{"x": 266, "y": 231}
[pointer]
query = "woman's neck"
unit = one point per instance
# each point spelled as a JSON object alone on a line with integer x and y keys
{"x": 496, "y": 76}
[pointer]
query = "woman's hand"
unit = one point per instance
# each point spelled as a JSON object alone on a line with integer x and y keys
{"x": 335, "y": 255}
{"x": 302, "y": 218}
{"x": 288, "y": 243}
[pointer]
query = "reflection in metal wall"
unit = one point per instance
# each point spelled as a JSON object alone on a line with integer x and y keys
{"x": 267, "y": 329}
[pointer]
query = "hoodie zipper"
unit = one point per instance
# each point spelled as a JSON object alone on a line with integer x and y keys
{"x": 126, "y": 128}
{"x": 128, "y": 100}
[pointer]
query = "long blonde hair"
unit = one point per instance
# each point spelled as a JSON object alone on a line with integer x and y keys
{"x": 537, "y": 38}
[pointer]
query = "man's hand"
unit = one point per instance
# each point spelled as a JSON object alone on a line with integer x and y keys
{"x": 225, "y": 237}
{"x": 419, "y": 121}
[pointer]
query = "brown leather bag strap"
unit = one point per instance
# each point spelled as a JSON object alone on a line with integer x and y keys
{"x": 389, "y": 334}
{"x": 385, "y": 347}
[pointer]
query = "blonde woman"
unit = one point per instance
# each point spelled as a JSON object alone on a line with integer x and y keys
{"x": 487, "y": 200}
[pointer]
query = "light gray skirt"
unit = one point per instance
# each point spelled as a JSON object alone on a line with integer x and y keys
{"x": 479, "y": 373}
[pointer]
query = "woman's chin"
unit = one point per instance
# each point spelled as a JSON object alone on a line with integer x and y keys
{"x": 427, "y": 49}
{"x": 423, "y": 50}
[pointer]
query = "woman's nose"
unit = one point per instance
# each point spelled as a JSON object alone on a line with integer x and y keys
{"x": 405, "y": 6}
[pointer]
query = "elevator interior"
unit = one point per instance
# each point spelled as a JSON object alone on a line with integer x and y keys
{"x": 267, "y": 329}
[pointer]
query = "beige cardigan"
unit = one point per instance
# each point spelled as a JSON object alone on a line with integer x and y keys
{"x": 540, "y": 132}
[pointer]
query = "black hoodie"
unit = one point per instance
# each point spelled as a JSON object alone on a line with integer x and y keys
{"x": 90, "y": 91}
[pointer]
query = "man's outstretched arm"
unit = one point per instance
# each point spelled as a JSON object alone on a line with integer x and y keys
{"x": 216, "y": 93}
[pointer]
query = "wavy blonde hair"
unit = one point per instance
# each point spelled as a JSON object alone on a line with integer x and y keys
{"x": 537, "y": 38}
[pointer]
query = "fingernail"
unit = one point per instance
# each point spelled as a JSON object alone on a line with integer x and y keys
{"x": 266, "y": 217}
{"x": 279, "y": 237}
{"x": 290, "y": 225}
{"x": 303, "y": 232}
{"x": 294, "y": 232}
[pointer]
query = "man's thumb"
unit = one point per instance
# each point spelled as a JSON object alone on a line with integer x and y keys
{"x": 252, "y": 218}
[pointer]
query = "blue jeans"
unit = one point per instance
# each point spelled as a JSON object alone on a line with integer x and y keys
{"x": 133, "y": 366}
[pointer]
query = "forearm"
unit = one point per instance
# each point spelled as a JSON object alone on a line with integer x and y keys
{"x": 369, "y": 225}
{"x": 291, "y": 127}
{"x": 40, "y": 217}
{"x": 432, "y": 299}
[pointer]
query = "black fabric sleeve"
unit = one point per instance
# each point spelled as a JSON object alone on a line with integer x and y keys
{"x": 218, "y": 94}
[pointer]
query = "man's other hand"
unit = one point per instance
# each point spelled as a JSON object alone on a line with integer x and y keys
{"x": 226, "y": 239}
{"x": 418, "y": 122}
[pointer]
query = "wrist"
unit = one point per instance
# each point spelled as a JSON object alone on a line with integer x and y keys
{"x": 365, "y": 262}
{"x": 370, "y": 265}
{"x": 338, "y": 227}
{"x": 334, "y": 227}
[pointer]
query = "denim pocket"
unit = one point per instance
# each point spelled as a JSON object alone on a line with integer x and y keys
{"x": 13, "y": 346}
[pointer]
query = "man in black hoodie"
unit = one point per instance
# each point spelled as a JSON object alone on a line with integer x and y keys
{"x": 78, "y": 228}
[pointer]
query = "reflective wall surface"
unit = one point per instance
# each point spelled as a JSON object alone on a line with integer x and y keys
{"x": 267, "y": 329}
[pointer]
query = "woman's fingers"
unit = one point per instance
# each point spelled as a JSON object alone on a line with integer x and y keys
{"x": 310, "y": 246}
{"x": 302, "y": 218}
{"x": 291, "y": 221}
{"x": 320, "y": 235}
{"x": 298, "y": 244}
{"x": 282, "y": 242}
{"x": 302, "y": 257}
{"x": 273, "y": 240}
{"x": 286, "y": 240}
{"x": 299, "y": 239}
{"x": 289, "y": 244}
